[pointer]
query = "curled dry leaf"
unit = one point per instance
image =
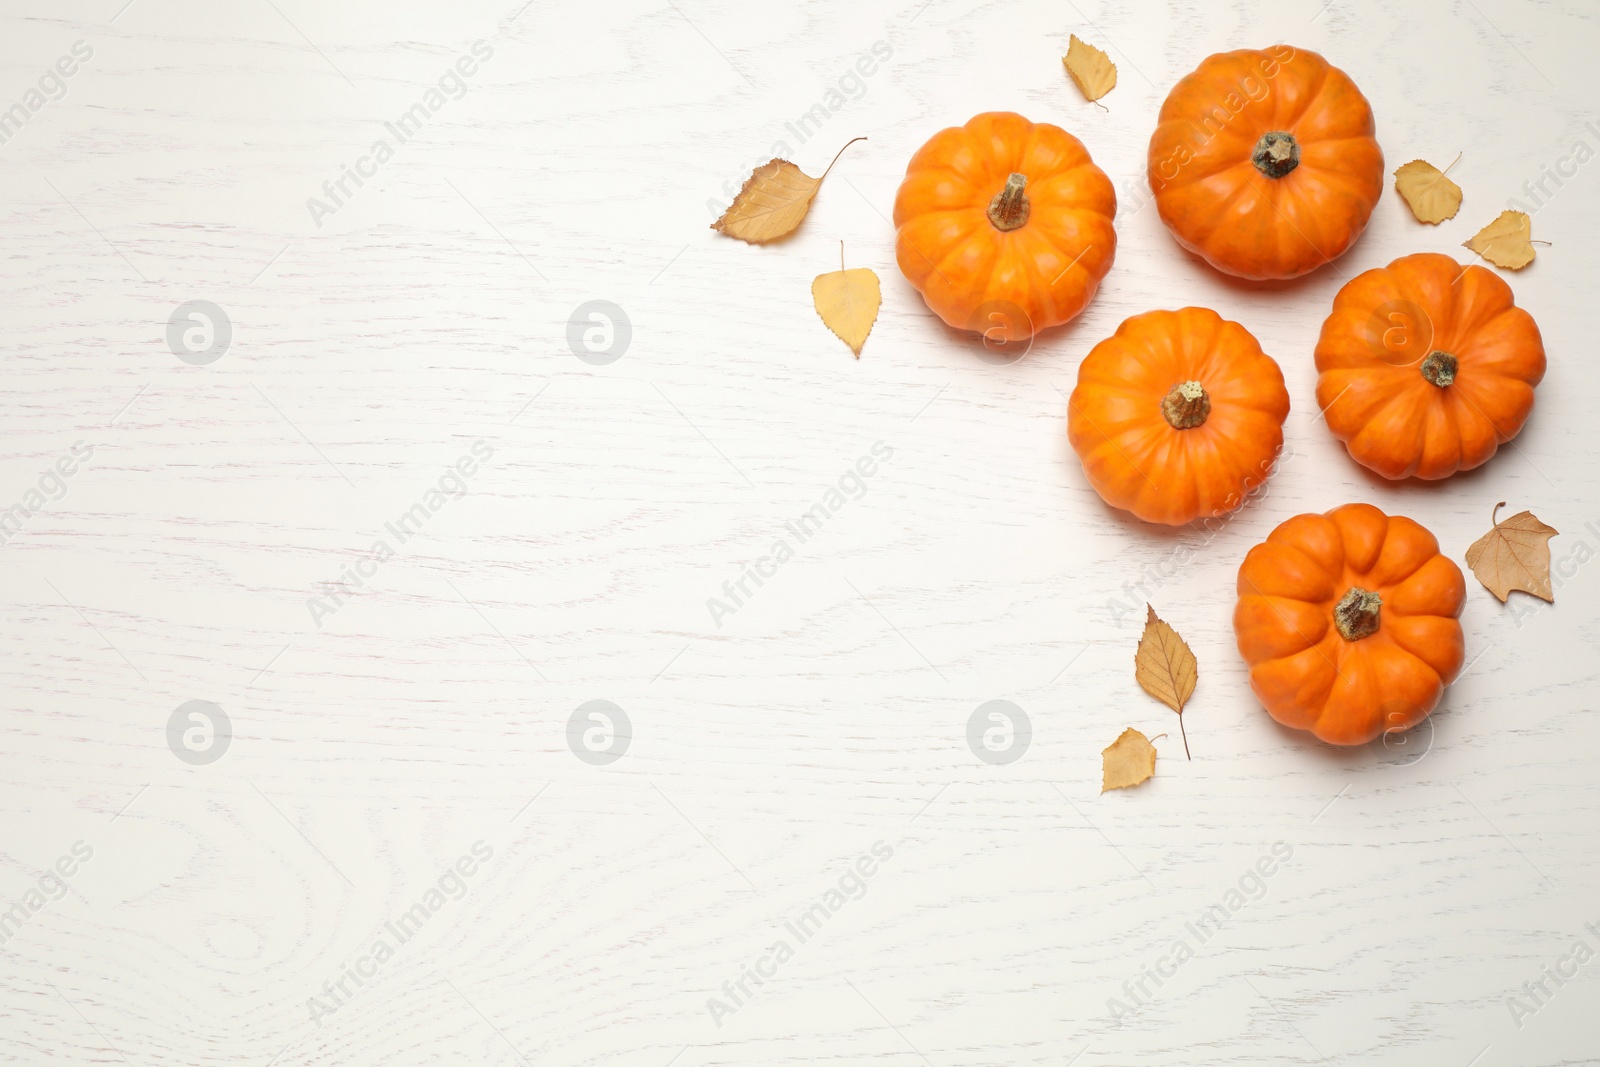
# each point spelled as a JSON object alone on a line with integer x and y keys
{"x": 773, "y": 201}
{"x": 1430, "y": 194}
{"x": 1166, "y": 668}
{"x": 1514, "y": 555}
{"x": 1505, "y": 242}
{"x": 1091, "y": 68}
{"x": 848, "y": 302}
{"x": 1127, "y": 761}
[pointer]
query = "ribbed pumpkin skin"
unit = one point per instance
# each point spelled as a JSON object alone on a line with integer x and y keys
{"x": 1135, "y": 459}
{"x": 1384, "y": 324}
{"x": 964, "y": 267}
{"x": 1309, "y": 676}
{"x": 1215, "y": 200}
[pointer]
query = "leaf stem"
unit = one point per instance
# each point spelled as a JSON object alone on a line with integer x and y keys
{"x": 847, "y": 144}
{"x": 1185, "y": 734}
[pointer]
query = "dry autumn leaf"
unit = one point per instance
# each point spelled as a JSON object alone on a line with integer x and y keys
{"x": 773, "y": 201}
{"x": 1514, "y": 555}
{"x": 1165, "y": 668}
{"x": 1127, "y": 761}
{"x": 1431, "y": 195}
{"x": 848, "y": 302}
{"x": 1505, "y": 242}
{"x": 1091, "y": 68}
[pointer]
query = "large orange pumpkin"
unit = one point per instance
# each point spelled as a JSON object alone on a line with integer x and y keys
{"x": 1348, "y": 623}
{"x": 1427, "y": 367}
{"x": 1004, "y": 226}
{"x": 1177, "y": 415}
{"x": 1264, "y": 162}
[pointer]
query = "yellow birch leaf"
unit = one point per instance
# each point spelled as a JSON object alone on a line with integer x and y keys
{"x": 1091, "y": 68}
{"x": 1514, "y": 555}
{"x": 1505, "y": 242}
{"x": 1165, "y": 668}
{"x": 773, "y": 201}
{"x": 1127, "y": 761}
{"x": 848, "y": 302}
{"x": 1428, "y": 191}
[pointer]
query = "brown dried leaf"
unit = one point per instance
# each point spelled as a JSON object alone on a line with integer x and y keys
{"x": 1127, "y": 761}
{"x": 773, "y": 201}
{"x": 1091, "y": 68}
{"x": 1165, "y": 667}
{"x": 1430, "y": 194}
{"x": 848, "y": 302}
{"x": 1514, "y": 555}
{"x": 1505, "y": 242}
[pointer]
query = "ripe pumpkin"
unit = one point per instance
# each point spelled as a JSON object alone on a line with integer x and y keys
{"x": 1004, "y": 226}
{"x": 1178, "y": 414}
{"x": 1348, "y": 623}
{"x": 1264, "y": 162}
{"x": 1425, "y": 368}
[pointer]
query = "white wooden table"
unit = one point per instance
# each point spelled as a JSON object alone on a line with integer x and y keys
{"x": 421, "y": 321}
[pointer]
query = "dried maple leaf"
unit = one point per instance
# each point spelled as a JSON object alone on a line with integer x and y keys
{"x": 1091, "y": 68}
{"x": 773, "y": 201}
{"x": 1431, "y": 196}
{"x": 1165, "y": 668}
{"x": 848, "y": 301}
{"x": 1127, "y": 761}
{"x": 1514, "y": 555}
{"x": 1505, "y": 242}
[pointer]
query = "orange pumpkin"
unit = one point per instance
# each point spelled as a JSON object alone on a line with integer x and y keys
{"x": 1264, "y": 163}
{"x": 1004, "y": 226}
{"x": 1348, "y": 623}
{"x": 1177, "y": 415}
{"x": 1426, "y": 368}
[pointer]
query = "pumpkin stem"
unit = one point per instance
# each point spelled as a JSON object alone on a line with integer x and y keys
{"x": 1276, "y": 154}
{"x": 1356, "y": 615}
{"x": 1009, "y": 209}
{"x": 1440, "y": 368}
{"x": 1186, "y": 405}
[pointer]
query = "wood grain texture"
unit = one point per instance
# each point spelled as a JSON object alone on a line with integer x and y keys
{"x": 1428, "y": 880}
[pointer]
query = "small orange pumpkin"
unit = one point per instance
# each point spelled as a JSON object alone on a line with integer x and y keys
{"x": 1264, "y": 162}
{"x": 1004, "y": 226}
{"x": 1348, "y": 623}
{"x": 1426, "y": 367}
{"x": 1177, "y": 415}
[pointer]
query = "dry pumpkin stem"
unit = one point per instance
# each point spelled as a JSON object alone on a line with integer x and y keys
{"x": 1356, "y": 615}
{"x": 1440, "y": 368}
{"x": 1010, "y": 208}
{"x": 1186, "y": 406}
{"x": 1276, "y": 154}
